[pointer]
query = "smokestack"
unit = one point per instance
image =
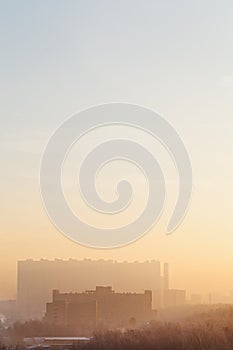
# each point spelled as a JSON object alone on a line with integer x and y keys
{"x": 166, "y": 276}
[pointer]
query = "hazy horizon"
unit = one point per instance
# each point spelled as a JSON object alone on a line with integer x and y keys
{"x": 58, "y": 58}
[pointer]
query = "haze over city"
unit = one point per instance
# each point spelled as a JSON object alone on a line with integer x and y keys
{"x": 116, "y": 175}
{"x": 59, "y": 58}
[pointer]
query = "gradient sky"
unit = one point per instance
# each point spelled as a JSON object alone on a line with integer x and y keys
{"x": 176, "y": 57}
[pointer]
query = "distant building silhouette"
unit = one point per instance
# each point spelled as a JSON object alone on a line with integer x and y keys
{"x": 174, "y": 297}
{"x": 195, "y": 299}
{"x": 8, "y": 310}
{"x": 36, "y": 280}
{"x": 98, "y": 308}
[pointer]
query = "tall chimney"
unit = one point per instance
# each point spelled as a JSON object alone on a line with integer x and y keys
{"x": 166, "y": 276}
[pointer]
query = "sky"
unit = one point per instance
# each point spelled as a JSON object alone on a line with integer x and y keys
{"x": 175, "y": 57}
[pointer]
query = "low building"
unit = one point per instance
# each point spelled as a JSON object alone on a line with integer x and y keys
{"x": 174, "y": 297}
{"x": 56, "y": 343}
{"x": 64, "y": 342}
{"x": 99, "y": 308}
{"x": 195, "y": 299}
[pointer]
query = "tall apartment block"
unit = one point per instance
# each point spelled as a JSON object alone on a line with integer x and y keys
{"x": 36, "y": 280}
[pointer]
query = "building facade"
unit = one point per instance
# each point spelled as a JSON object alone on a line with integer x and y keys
{"x": 98, "y": 308}
{"x": 36, "y": 280}
{"x": 174, "y": 297}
